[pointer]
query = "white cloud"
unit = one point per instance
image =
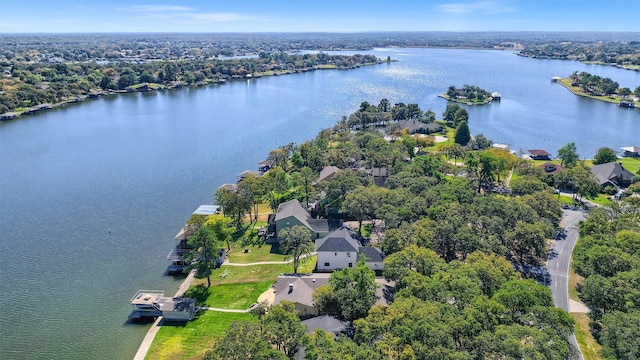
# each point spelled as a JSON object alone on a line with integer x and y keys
{"x": 183, "y": 12}
{"x": 218, "y": 17}
{"x": 158, "y": 8}
{"x": 486, "y": 7}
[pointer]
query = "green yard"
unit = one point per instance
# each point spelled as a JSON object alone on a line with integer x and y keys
{"x": 192, "y": 340}
{"x": 255, "y": 254}
{"x": 237, "y": 290}
{"x": 631, "y": 164}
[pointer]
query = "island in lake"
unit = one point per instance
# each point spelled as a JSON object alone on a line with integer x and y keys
{"x": 470, "y": 95}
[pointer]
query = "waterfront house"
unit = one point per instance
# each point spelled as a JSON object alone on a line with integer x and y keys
{"x": 538, "y": 154}
{"x": 228, "y": 187}
{"x": 265, "y": 165}
{"x": 340, "y": 249}
{"x": 188, "y": 229}
{"x": 496, "y": 96}
{"x": 291, "y": 213}
{"x": 246, "y": 173}
{"x": 8, "y": 115}
{"x": 613, "y": 174}
{"x": 631, "y": 151}
{"x": 149, "y": 304}
{"x": 627, "y": 104}
{"x": 418, "y": 127}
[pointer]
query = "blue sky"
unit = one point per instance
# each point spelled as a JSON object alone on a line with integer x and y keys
{"x": 53, "y": 16}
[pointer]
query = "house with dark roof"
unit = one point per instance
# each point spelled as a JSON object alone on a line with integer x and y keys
{"x": 380, "y": 175}
{"x": 538, "y": 154}
{"x": 340, "y": 249}
{"x": 229, "y": 187}
{"x": 328, "y": 173}
{"x": 291, "y": 213}
{"x": 246, "y": 173}
{"x": 612, "y": 173}
{"x": 265, "y": 165}
{"x": 418, "y": 127}
{"x": 299, "y": 290}
{"x": 551, "y": 168}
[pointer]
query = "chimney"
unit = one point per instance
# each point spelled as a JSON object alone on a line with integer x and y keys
{"x": 314, "y": 280}
{"x": 290, "y": 288}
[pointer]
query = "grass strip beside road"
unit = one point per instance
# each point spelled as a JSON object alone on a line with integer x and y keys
{"x": 575, "y": 281}
{"x": 588, "y": 345}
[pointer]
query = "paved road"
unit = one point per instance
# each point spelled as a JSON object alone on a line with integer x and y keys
{"x": 560, "y": 259}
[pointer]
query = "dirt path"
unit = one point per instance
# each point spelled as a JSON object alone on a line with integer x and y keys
{"x": 226, "y": 261}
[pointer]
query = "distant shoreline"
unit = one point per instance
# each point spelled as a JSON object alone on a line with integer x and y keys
{"x": 147, "y": 87}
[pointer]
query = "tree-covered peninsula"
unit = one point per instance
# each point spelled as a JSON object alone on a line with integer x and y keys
{"x": 605, "y": 89}
{"x": 464, "y": 253}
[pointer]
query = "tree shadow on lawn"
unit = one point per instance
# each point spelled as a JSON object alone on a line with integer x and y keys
{"x": 199, "y": 292}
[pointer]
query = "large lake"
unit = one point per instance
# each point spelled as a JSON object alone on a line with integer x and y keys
{"x": 139, "y": 164}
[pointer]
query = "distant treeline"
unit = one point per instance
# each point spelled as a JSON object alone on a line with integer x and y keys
{"x": 619, "y": 53}
{"x": 28, "y": 84}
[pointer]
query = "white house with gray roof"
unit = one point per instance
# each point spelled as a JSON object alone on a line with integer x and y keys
{"x": 340, "y": 250}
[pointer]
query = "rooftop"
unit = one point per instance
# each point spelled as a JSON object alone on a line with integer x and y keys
{"x": 206, "y": 210}
{"x": 299, "y": 288}
{"x": 339, "y": 240}
{"x": 147, "y": 297}
{"x": 538, "y": 152}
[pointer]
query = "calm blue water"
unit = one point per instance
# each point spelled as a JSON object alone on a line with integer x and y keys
{"x": 139, "y": 164}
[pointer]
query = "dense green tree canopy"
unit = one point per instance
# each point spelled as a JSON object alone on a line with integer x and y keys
{"x": 296, "y": 243}
{"x": 568, "y": 155}
{"x": 604, "y": 155}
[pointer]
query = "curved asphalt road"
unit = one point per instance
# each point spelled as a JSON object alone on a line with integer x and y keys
{"x": 559, "y": 261}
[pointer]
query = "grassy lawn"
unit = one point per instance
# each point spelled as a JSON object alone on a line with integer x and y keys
{"x": 192, "y": 340}
{"x": 255, "y": 254}
{"x": 255, "y": 273}
{"x": 631, "y": 164}
{"x": 238, "y": 290}
{"x": 450, "y": 133}
{"x": 602, "y": 199}
{"x": 236, "y": 296}
{"x": 588, "y": 345}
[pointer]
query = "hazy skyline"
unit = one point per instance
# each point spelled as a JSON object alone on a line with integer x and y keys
{"x": 72, "y": 16}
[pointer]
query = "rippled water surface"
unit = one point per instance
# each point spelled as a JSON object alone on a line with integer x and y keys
{"x": 139, "y": 164}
